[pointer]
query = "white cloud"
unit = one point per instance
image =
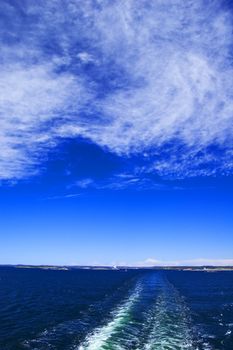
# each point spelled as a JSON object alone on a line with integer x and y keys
{"x": 32, "y": 100}
{"x": 67, "y": 196}
{"x": 85, "y": 57}
{"x": 120, "y": 182}
{"x": 193, "y": 262}
{"x": 84, "y": 183}
{"x": 161, "y": 70}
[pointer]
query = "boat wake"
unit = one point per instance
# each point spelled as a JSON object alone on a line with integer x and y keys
{"x": 107, "y": 337}
{"x": 170, "y": 322}
{"x": 155, "y": 317}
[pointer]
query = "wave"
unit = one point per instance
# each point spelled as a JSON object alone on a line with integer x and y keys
{"x": 154, "y": 317}
{"x": 103, "y": 338}
{"x": 170, "y": 322}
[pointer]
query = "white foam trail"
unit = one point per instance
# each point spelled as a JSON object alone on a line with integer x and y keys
{"x": 168, "y": 333}
{"x": 99, "y": 338}
{"x": 171, "y": 323}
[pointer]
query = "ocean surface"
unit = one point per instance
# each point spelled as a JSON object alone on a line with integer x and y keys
{"x": 115, "y": 310}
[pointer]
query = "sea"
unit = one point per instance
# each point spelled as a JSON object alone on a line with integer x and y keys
{"x": 115, "y": 309}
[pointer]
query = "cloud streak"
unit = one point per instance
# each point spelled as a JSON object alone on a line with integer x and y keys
{"x": 135, "y": 77}
{"x": 193, "y": 262}
{"x": 121, "y": 182}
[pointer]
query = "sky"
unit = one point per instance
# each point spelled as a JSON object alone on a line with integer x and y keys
{"x": 116, "y": 124}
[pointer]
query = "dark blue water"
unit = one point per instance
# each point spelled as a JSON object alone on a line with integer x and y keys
{"x": 115, "y": 310}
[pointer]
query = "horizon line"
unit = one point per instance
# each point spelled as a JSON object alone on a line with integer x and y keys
{"x": 118, "y": 266}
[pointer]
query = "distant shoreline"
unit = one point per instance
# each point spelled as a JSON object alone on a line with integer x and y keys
{"x": 112, "y": 268}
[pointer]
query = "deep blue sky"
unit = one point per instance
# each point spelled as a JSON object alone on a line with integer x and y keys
{"x": 116, "y": 129}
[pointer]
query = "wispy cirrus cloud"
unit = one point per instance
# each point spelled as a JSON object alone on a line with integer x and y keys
{"x": 121, "y": 182}
{"x": 135, "y": 77}
{"x": 32, "y": 100}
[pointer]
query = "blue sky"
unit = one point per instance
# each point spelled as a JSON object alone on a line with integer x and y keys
{"x": 116, "y": 126}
